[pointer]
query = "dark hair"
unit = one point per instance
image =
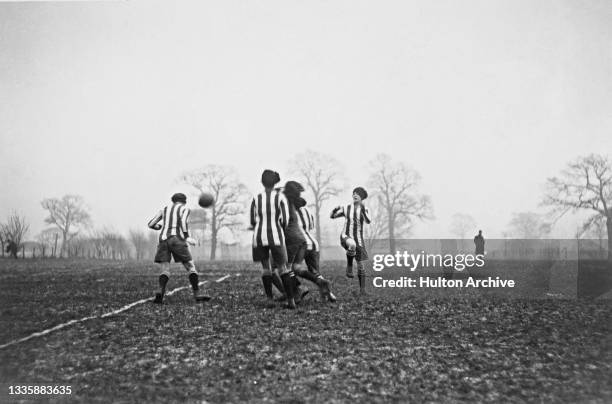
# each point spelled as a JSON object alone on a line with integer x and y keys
{"x": 363, "y": 194}
{"x": 179, "y": 197}
{"x": 269, "y": 178}
{"x": 292, "y": 191}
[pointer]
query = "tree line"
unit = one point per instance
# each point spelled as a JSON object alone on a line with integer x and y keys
{"x": 396, "y": 205}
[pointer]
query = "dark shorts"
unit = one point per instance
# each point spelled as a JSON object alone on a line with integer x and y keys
{"x": 278, "y": 252}
{"x": 172, "y": 247}
{"x": 312, "y": 261}
{"x": 296, "y": 252}
{"x": 360, "y": 252}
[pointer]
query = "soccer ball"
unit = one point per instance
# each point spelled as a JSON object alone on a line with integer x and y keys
{"x": 206, "y": 200}
{"x": 350, "y": 244}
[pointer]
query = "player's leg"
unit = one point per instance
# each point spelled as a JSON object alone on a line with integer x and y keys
{"x": 261, "y": 254}
{"x": 299, "y": 291}
{"x": 307, "y": 273}
{"x": 276, "y": 280}
{"x": 194, "y": 280}
{"x": 180, "y": 253}
{"x": 266, "y": 278}
{"x": 311, "y": 258}
{"x": 361, "y": 276}
{"x": 270, "y": 277}
{"x": 284, "y": 260}
{"x": 361, "y": 256}
{"x": 162, "y": 257}
{"x": 298, "y": 253}
{"x": 350, "y": 246}
{"x": 164, "y": 276}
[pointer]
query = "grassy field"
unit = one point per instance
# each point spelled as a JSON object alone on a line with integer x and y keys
{"x": 440, "y": 346}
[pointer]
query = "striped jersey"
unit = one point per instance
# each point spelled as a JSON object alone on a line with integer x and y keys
{"x": 354, "y": 216}
{"x": 269, "y": 218}
{"x": 306, "y": 221}
{"x": 173, "y": 220}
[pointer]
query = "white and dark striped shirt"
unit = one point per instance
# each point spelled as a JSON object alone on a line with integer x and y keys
{"x": 307, "y": 223}
{"x": 269, "y": 218}
{"x": 173, "y": 220}
{"x": 355, "y": 216}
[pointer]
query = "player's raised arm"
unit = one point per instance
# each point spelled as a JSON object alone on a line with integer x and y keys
{"x": 154, "y": 222}
{"x": 337, "y": 212}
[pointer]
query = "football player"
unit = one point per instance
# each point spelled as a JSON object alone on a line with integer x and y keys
{"x": 297, "y": 240}
{"x": 268, "y": 220}
{"x": 173, "y": 240}
{"x": 351, "y": 239}
{"x": 311, "y": 257}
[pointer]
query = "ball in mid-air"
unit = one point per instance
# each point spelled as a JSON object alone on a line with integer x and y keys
{"x": 206, "y": 200}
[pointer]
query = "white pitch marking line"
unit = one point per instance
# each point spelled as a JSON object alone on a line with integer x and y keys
{"x": 105, "y": 315}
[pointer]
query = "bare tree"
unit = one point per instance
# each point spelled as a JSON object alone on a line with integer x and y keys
{"x": 79, "y": 246}
{"x": 198, "y": 220}
{"x": 461, "y": 224}
{"x": 109, "y": 244}
{"x": 585, "y": 184}
{"x": 528, "y": 225}
{"x": 320, "y": 173}
{"x": 230, "y": 198}
{"x": 15, "y": 229}
{"x": 120, "y": 247}
{"x": 397, "y": 188}
{"x": 48, "y": 240}
{"x": 138, "y": 238}
{"x": 66, "y": 214}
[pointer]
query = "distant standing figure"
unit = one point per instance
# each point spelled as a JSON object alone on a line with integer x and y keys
{"x": 479, "y": 242}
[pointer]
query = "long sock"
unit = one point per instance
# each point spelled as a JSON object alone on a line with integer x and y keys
{"x": 361, "y": 276}
{"x": 277, "y": 282}
{"x": 296, "y": 287}
{"x": 349, "y": 260}
{"x": 193, "y": 279}
{"x": 288, "y": 284}
{"x": 163, "y": 281}
{"x": 267, "y": 283}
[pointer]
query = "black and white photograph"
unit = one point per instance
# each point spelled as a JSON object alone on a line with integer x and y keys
{"x": 306, "y": 201}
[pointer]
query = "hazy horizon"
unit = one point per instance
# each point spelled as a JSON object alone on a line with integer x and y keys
{"x": 485, "y": 99}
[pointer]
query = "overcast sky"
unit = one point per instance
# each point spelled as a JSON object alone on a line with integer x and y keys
{"x": 486, "y": 99}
